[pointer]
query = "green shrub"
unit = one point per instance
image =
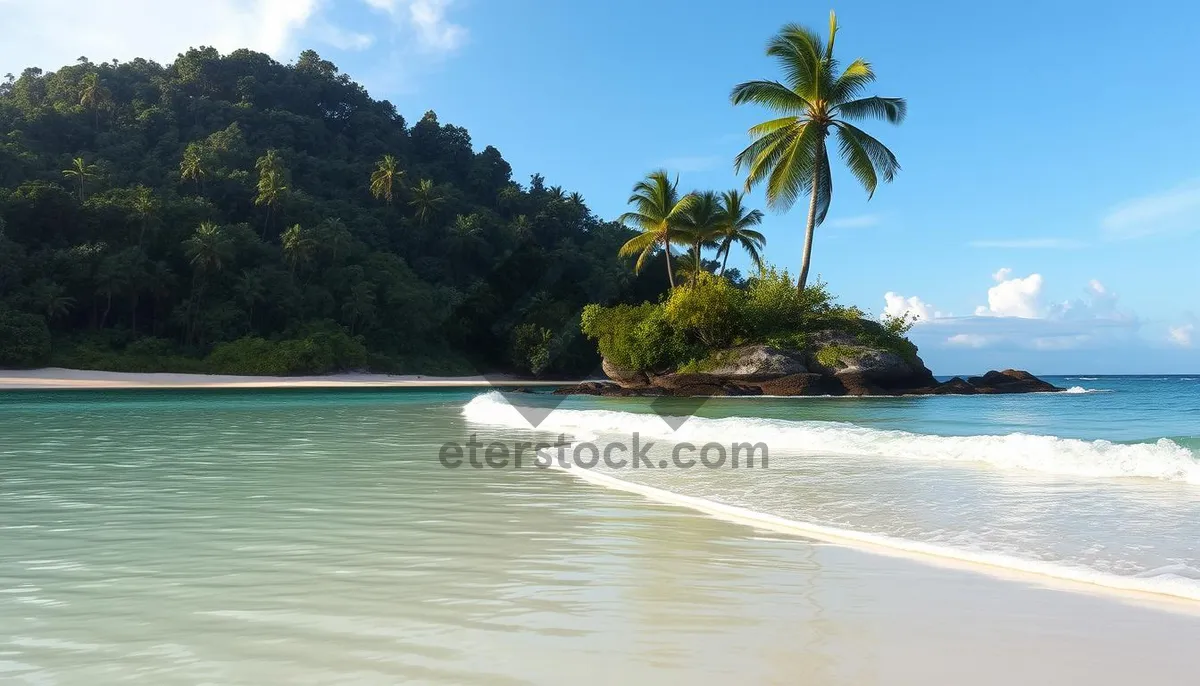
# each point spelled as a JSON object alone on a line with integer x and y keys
{"x": 321, "y": 352}
{"x": 688, "y": 330}
{"x": 830, "y": 355}
{"x": 708, "y": 311}
{"x": 530, "y": 348}
{"x": 24, "y": 339}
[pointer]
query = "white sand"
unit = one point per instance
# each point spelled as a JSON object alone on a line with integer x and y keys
{"x": 55, "y": 377}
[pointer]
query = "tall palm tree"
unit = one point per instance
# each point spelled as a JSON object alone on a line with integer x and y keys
{"x": 789, "y": 152}
{"x": 251, "y": 290}
{"x": 299, "y": 245}
{"x": 700, "y": 225}
{"x": 81, "y": 171}
{"x": 209, "y": 248}
{"x": 427, "y": 200}
{"x": 557, "y": 193}
{"x": 733, "y": 226}
{"x": 383, "y": 179}
{"x": 335, "y": 236}
{"x": 576, "y": 198}
{"x": 660, "y": 214}
{"x": 93, "y": 95}
{"x": 271, "y": 183}
{"x": 53, "y": 300}
{"x": 192, "y": 166}
{"x": 145, "y": 209}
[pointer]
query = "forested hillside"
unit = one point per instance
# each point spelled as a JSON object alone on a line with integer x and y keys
{"x": 234, "y": 214}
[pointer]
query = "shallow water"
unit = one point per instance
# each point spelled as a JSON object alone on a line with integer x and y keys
{"x": 314, "y": 537}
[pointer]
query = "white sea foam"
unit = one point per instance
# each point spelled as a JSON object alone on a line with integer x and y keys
{"x": 1081, "y": 389}
{"x": 1163, "y": 459}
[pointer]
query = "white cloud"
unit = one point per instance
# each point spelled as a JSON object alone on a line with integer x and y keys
{"x": 1181, "y": 335}
{"x": 968, "y": 340}
{"x": 1016, "y": 297}
{"x": 861, "y": 221}
{"x": 897, "y": 305}
{"x": 52, "y": 33}
{"x": 697, "y": 163}
{"x": 1173, "y": 211}
{"x": 435, "y": 32}
{"x": 1015, "y": 318}
{"x": 1029, "y": 243}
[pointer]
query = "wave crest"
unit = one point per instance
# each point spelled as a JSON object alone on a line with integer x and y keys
{"x": 1163, "y": 459}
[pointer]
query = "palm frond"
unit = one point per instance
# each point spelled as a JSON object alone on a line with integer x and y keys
{"x": 852, "y": 81}
{"x": 800, "y": 52}
{"x": 884, "y": 160}
{"x": 769, "y": 94}
{"x": 891, "y": 109}
{"x": 792, "y": 173}
{"x": 858, "y": 161}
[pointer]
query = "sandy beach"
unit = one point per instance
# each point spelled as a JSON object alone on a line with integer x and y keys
{"x": 57, "y": 377}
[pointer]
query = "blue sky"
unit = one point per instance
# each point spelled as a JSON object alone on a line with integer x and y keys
{"x": 1048, "y": 211}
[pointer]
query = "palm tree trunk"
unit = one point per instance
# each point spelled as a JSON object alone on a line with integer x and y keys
{"x": 725, "y": 260}
{"x": 812, "y": 225}
{"x": 667, "y": 250}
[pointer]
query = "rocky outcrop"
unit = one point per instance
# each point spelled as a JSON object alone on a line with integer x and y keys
{"x": 834, "y": 363}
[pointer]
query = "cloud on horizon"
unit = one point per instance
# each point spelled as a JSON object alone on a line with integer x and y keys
{"x": 1016, "y": 317}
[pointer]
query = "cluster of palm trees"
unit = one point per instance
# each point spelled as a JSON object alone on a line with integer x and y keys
{"x": 697, "y": 220}
{"x": 788, "y": 154}
{"x": 426, "y": 198}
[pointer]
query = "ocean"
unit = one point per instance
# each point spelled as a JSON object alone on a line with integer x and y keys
{"x": 323, "y": 536}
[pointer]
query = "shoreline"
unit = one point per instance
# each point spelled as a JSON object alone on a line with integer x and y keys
{"x": 59, "y": 378}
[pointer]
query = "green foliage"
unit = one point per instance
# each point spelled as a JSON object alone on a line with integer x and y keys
{"x": 318, "y": 353}
{"x": 692, "y": 327}
{"x": 231, "y": 198}
{"x": 709, "y": 311}
{"x": 531, "y": 348}
{"x": 830, "y": 355}
{"x": 24, "y": 339}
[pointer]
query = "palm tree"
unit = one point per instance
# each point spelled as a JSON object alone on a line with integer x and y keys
{"x": 789, "y": 152}
{"x": 427, "y": 200}
{"x": 251, "y": 290}
{"x": 700, "y": 224}
{"x": 335, "y": 235}
{"x": 299, "y": 245}
{"x": 53, "y": 300}
{"x": 557, "y": 194}
{"x": 576, "y": 199}
{"x": 660, "y": 214}
{"x": 209, "y": 248}
{"x": 271, "y": 183}
{"x": 384, "y": 178}
{"x": 192, "y": 166}
{"x": 733, "y": 226}
{"x": 82, "y": 171}
{"x": 144, "y": 208}
{"x": 93, "y": 95}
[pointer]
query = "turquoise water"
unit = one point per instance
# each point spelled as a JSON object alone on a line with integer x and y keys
{"x": 1100, "y": 485}
{"x": 306, "y": 536}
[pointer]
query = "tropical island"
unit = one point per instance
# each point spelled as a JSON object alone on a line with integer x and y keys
{"x": 234, "y": 215}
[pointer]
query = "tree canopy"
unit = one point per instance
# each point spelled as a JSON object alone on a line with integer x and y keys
{"x": 232, "y": 213}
